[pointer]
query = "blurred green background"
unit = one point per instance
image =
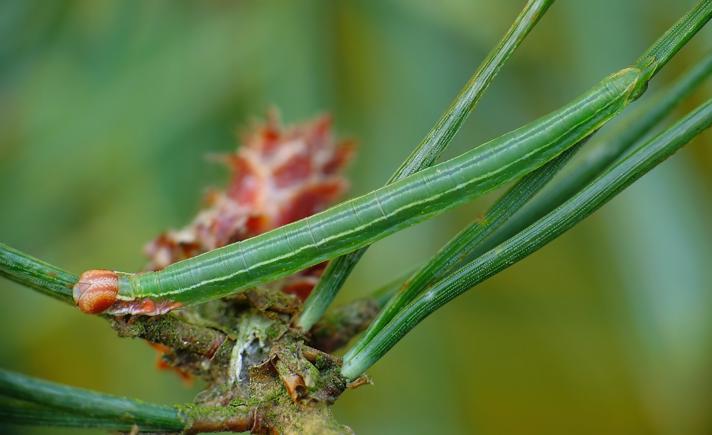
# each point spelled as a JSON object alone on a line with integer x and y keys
{"x": 107, "y": 109}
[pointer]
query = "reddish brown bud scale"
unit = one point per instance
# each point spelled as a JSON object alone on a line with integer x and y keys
{"x": 280, "y": 174}
{"x": 163, "y": 364}
{"x": 96, "y": 291}
{"x": 299, "y": 285}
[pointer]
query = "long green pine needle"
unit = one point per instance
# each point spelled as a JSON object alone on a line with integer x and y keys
{"x": 43, "y": 396}
{"x": 593, "y": 159}
{"x": 593, "y": 196}
{"x": 24, "y": 413}
{"x": 584, "y": 167}
{"x": 514, "y": 211}
{"x": 37, "y": 274}
{"x": 451, "y": 255}
{"x": 429, "y": 149}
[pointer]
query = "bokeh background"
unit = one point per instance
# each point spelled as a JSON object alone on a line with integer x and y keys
{"x": 107, "y": 109}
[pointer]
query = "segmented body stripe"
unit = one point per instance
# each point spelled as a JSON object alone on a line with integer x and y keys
{"x": 361, "y": 221}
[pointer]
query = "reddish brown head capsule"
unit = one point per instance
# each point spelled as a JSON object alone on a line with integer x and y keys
{"x": 96, "y": 290}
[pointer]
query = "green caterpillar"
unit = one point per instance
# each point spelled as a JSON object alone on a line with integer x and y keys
{"x": 363, "y": 220}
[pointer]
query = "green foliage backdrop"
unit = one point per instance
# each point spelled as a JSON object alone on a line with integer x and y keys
{"x": 108, "y": 108}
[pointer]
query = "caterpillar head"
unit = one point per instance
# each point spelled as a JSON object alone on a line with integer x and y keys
{"x": 96, "y": 291}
